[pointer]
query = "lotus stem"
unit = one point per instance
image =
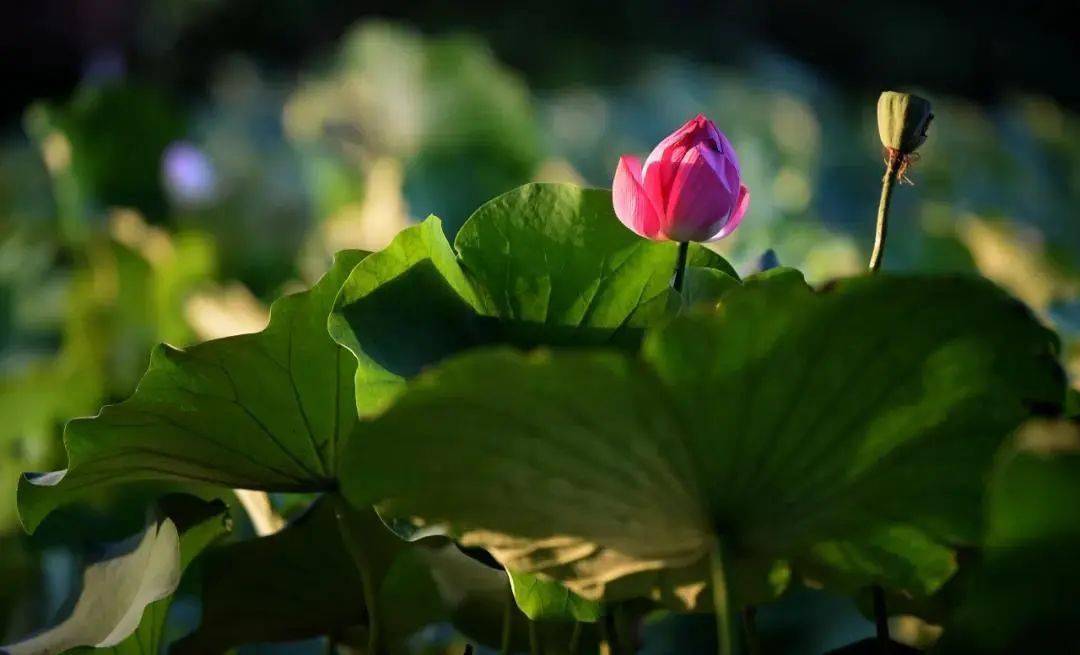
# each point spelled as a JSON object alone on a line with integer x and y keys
{"x": 534, "y": 640}
{"x": 575, "y": 639}
{"x": 606, "y": 632}
{"x": 881, "y": 619}
{"x": 721, "y": 600}
{"x": 360, "y": 560}
{"x": 750, "y": 635}
{"x": 624, "y": 631}
{"x": 680, "y": 266}
{"x": 508, "y": 622}
{"x": 892, "y": 173}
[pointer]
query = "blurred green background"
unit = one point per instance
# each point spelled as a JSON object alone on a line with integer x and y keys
{"x": 167, "y": 168}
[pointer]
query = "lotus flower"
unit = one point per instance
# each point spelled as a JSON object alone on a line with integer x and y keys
{"x": 688, "y": 190}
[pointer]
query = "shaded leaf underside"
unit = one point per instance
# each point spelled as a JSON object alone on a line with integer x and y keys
{"x": 787, "y": 419}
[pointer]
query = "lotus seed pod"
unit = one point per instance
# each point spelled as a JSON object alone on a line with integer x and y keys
{"x": 902, "y": 120}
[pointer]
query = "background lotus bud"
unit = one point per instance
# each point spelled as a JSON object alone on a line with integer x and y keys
{"x": 689, "y": 188}
{"x": 768, "y": 261}
{"x": 902, "y": 120}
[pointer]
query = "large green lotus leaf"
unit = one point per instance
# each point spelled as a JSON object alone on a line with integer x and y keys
{"x": 544, "y": 264}
{"x": 1021, "y": 596}
{"x": 881, "y": 399}
{"x": 126, "y": 595}
{"x": 257, "y": 411}
{"x": 786, "y": 419}
{"x": 499, "y": 447}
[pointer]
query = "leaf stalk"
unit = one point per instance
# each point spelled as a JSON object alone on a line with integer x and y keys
{"x": 363, "y": 565}
{"x": 507, "y": 626}
{"x": 750, "y": 634}
{"x": 888, "y": 182}
{"x": 722, "y": 605}
{"x": 680, "y": 267}
{"x": 881, "y": 619}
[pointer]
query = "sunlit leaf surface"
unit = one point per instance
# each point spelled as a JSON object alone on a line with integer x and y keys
{"x": 256, "y": 411}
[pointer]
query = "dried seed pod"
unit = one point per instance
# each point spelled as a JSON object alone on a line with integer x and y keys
{"x": 903, "y": 119}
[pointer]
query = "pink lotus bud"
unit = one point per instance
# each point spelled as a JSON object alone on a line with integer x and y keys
{"x": 688, "y": 190}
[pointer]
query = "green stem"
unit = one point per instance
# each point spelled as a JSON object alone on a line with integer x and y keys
{"x": 750, "y": 634}
{"x": 575, "y": 639}
{"x": 892, "y": 172}
{"x": 722, "y": 605}
{"x": 881, "y": 619}
{"x": 606, "y": 634}
{"x": 360, "y": 561}
{"x": 680, "y": 266}
{"x": 624, "y": 631}
{"x": 508, "y": 622}
{"x": 534, "y": 639}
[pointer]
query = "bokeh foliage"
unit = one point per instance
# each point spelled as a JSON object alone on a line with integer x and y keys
{"x": 107, "y": 249}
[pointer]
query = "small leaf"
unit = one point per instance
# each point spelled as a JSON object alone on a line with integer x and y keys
{"x": 906, "y": 558}
{"x": 1072, "y": 403}
{"x": 126, "y": 595}
{"x": 768, "y": 261}
{"x": 705, "y": 286}
{"x": 787, "y": 419}
{"x": 545, "y": 599}
{"x": 256, "y": 411}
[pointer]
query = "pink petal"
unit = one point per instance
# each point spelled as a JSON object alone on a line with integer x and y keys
{"x": 699, "y": 203}
{"x": 742, "y": 203}
{"x": 732, "y": 177}
{"x": 716, "y": 136}
{"x": 661, "y": 164}
{"x": 632, "y": 205}
{"x": 728, "y": 149}
{"x": 727, "y": 173}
